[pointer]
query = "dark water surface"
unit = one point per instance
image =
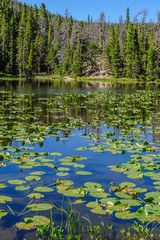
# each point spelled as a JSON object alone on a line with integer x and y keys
{"x": 60, "y": 117}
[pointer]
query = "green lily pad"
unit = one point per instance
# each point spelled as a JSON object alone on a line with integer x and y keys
{"x": 122, "y": 195}
{"x": 83, "y": 173}
{"x": 98, "y": 210}
{"x": 62, "y": 174}
{"x": 108, "y": 201}
{"x": 125, "y": 215}
{"x": 55, "y": 154}
{"x": 4, "y": 199}
{"x": 2, "y": 213}
{"x": 16, "y": 182}
{"x": 37, "y": 173}
{"x": 2, "y": 185}
{"x": 35, "y": 195}
{"x": 22, "y": 188}
{"x": 40, "y": 207}
{"x": 131, "y": 202}
{"x": 92, "y": 185}
{"x": 63, "y": 169}
{"x": 99, "y": 194}
{"x": 38, "y": 220}
{"x": 43, "y": 189}
{"x": 92, "y": 204}
{"x": 32, "y": 178}
{"x": 127, "y": 184}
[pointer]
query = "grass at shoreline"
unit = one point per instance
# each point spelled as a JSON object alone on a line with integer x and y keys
{"x": 54, "y": 77}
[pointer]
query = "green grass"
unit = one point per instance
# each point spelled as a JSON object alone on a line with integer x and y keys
{"x": 77, "y": 227}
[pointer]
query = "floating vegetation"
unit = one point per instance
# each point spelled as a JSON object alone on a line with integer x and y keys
{"x": 120, "y": 133}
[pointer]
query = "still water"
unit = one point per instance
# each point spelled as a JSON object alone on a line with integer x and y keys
{"x": 77, "y": 131}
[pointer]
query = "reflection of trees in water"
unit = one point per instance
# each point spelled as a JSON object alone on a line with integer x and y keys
{"x": 74, "y": 109}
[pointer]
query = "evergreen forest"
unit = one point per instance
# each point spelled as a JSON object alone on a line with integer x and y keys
{"x": 34, "y": 41}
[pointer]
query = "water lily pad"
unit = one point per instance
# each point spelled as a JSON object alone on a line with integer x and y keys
{"x": 125, "y": 215}
{"x": 92, "y": 204}
{"x": 37, "y": 173}
{"x": 2, "y": 213}
{"x": 98, "y": 210}
{"x": 2, "y": 185}
{"x": 16, "y": 182}
{"x": 40, "y": 207}
{"x": 55, "y": 154}
{"x": 38, "y": 220}
{"x": 62, "y": 174}
{"x": 127, "y": 184}
{"x": 4, "y": 199}
{"x": 122, "y": 195}
{"x": 83, "y": 173}
{"x": 99, "y": 194}
{"x": 79, "y": 201}
{"x": 63, "y": 169}
{"x": 92, "y": 185}
{"x": 43, "y": 189}
{"x": 22, "y": 188}
{"x": 35, "y": 195}
{"x": 131, "y": 202}
{"x": 32, "y": 178}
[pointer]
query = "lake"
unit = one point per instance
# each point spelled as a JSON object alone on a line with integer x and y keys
{"x": 93, "y": 144}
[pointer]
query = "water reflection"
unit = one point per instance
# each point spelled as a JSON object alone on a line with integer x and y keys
{"x": 43, "y": 86}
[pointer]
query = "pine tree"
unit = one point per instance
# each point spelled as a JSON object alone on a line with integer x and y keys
{"x": 132, "y": 52}
{"x": 116, "y": 60}
{"x": 20, "y": 41}
{"x": 92, "y": 52}
{"x": 77, "y": 60}
{"x": 109, "y": 48}
{"x": 31, "y": 61}
{"x": 28, "y": 37}
{"x": 52, "y": 60}
{"x": 127, "y": 17}
{"x": 67, "y": 62}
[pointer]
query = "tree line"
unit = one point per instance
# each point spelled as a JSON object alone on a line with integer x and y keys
{"x": 32, "y": 40}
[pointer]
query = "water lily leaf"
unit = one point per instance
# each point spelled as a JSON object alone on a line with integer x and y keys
{"x": 125, "y": 215}
{"x": 92, "y": 185}
{"x": 131, "y": 202}
{"x": 127, "y": 184}
{"x": 122, "y": 195}
{"x": 108, "y": 201}
{"x": 98, "y": 210}
{"x": 35, "y": 195}
{"x": 62, "y": 174}
{"x": 92, "y": 204}
{"x": 43, "y": 189}
{"x": 63, "y": 169}
{"x": 2, "y": 213}
{"x": 140, "y": 190}
{"x": 154, "y": 195}
{"x": 99, "y": 194}
{"x": 83, "y": 173}
{"x": 40, "y": 207}
{"x": 79, "y": 201}
{"x": 38, "y": 220}
{"x": 32, "y": 178}
{"x": 37, "y": 173}
{"x": 4, "y": 199}
{"x": 25, "y": 226}
{"x": 16, "y": 182}
{"x": 22, "y": 188}
{"x": 55, "y": 154}
{"x": 2, "y": 185}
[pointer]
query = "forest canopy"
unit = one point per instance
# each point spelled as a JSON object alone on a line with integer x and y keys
{"x": 32, "y": 40}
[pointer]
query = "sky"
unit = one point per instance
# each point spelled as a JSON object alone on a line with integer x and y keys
{"x": 113, "y": 9}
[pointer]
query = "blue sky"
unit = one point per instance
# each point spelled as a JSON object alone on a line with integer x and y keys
{"x": 113, "y": 9}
